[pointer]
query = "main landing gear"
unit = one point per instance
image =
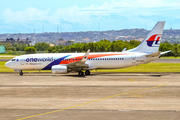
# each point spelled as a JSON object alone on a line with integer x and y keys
{"x": 80, "y": 73}
{"x": 87, "y": 72}
{"x": 21, "y": 73}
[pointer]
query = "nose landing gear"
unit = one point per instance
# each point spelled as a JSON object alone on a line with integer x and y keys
{"x": 21, "y": 73}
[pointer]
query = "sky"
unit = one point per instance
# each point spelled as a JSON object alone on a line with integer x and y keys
{"x": 29, "y": 16}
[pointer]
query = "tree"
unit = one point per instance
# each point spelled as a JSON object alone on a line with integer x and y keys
{"x": 52, "y": 49}
{"x": 69, "y": 42}
{"x": 165, "y": 47}
{"x": 30, "y": 50}
{"x": 41, "y": 46}
{"x": 9, "y": 46}
{"x": 61, "y": 39}
{"x": 134, "y": 43}
{"x": 176, "y": 50}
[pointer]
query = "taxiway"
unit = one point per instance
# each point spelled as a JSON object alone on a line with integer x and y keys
{"x": 103, "y": 96}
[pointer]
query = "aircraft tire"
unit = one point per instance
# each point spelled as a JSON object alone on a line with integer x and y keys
{"x": 21, "y": 73}
{"x": 80, "y": 73}
{"x": 87, "y": 72}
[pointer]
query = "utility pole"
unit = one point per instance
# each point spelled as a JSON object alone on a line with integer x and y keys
{"x": 42, "y": 28}
{"x": 60, "y": 25}
{"x": 170, "y": 25}
{"x": 57, "y": 28}
{"x": 99, "y": 25}
{"x": 60, "y": 28}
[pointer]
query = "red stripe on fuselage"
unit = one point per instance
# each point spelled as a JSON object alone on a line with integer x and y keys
{"x": 75, "y": 59}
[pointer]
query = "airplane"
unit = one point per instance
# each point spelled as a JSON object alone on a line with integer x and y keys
{"x": 61, "y": 63}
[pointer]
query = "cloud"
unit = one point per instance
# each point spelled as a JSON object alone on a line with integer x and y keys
{"x": 29, "y": 14}
{"x": 75, "y": 14}
{"x": 146, "y": 3}
{"x": 131, "y": 13}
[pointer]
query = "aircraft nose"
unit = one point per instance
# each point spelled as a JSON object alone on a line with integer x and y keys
{"x": 7, "y": 64}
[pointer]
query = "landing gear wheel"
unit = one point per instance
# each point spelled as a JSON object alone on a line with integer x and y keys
{"x": 80, "y": 73}
{"x": 21, "y": 73}
{"x": 87, "y": 72}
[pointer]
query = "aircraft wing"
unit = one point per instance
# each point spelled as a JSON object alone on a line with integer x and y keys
{"x": 80, "y": 63}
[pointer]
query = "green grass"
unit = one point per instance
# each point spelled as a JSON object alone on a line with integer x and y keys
{"x": 6, "y": 57}
{"x": 171, "y": 57}
{"x": 3, "y": 68}
{"x": 150, "y": 67}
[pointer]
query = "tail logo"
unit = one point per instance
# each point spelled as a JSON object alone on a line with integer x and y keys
{"x": 153, "y": 41}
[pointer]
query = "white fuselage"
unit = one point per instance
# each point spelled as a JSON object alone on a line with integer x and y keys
{"x": 108, "y": 60}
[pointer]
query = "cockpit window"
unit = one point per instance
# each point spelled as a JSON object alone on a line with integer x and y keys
{"x": 13, "y": 60}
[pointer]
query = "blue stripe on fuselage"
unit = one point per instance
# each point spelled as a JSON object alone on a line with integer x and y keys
{"x": 56, "y": 62}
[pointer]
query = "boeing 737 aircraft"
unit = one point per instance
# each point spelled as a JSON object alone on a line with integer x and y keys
{"x": 60, "y": 63}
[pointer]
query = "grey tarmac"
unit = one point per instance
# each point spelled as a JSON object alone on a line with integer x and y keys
{"x": 100, "y": 96}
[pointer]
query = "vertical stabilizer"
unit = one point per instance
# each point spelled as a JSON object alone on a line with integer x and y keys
{"x": 152, "y": 42}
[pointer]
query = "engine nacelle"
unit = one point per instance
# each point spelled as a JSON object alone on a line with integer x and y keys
{"x": 59, "y": 69}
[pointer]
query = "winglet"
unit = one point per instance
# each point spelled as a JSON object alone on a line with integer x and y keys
{"x": 124, "y": 49}
{"x": 86, "y": 56}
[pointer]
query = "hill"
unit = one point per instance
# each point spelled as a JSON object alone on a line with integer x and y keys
{"x": 172, "y": 36}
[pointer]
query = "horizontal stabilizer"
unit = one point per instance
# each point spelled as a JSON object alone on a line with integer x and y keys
{"x": 165, "y": 52}
{"x": 154, "y": 54}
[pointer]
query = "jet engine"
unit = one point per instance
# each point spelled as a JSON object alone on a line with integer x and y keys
{"x": 59, "y": 69}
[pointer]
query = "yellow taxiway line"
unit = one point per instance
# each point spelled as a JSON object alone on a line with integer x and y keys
{"x": 90, "y": 102}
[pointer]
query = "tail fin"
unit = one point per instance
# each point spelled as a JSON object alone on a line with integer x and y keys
{"x": 152, "y": 42}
